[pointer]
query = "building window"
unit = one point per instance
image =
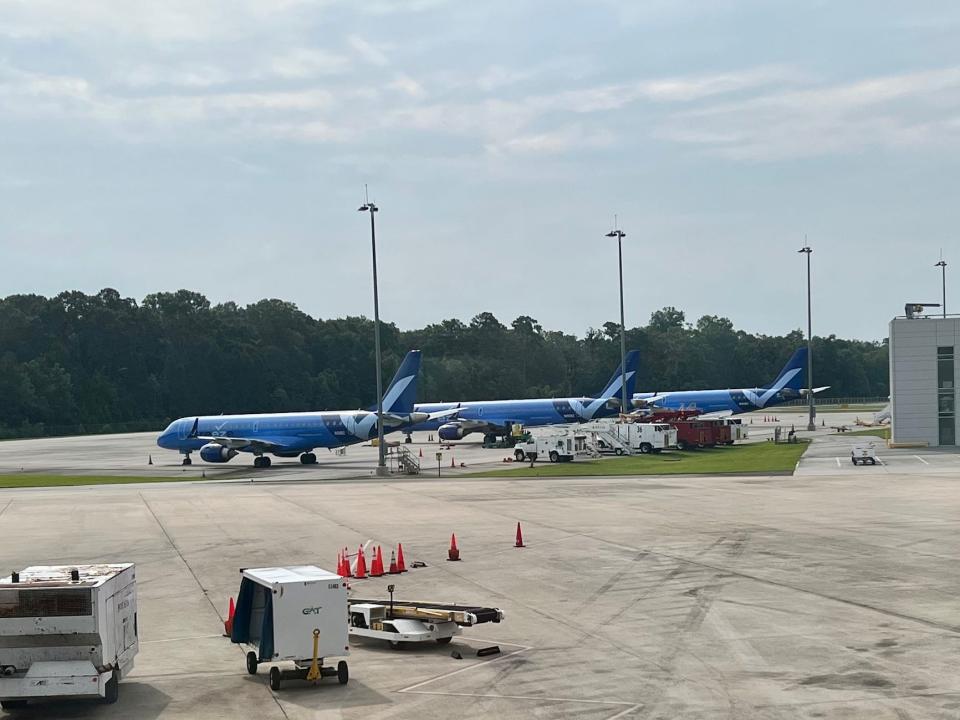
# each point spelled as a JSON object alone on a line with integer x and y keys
{"x": 946, "y": 396}
{"x": 948, "y": 435}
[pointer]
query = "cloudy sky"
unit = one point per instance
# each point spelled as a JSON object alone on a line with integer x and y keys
{"x": 223, "y": 146}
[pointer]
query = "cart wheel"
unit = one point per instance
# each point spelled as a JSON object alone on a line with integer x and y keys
{"x": 13, "y": 704}
{"x": 112, "y": 689}
{"x": 252, "y": 663}
{"x": 518, "y": 455}
{"x": 343, "y": 673}
{"x": 275, "y": 678}
{"x": 395, "y": 644}
{"x": 618, "y": 451}
{"x": 444, "y": 641}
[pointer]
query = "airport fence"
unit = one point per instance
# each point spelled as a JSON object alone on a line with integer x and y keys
{"x": 802, "y": 402}
{"x": 39, "y": 430}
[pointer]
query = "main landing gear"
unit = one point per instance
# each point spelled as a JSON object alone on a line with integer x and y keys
{"x": 308, "y": 459}
{"x": 261, "y": 461}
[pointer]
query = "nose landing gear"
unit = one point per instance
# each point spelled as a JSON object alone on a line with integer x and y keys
{"x": 261, "y": 461}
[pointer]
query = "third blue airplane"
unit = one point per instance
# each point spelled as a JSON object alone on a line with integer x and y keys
{"x": 789, "y": 385}
{"x": 496, "y": 417}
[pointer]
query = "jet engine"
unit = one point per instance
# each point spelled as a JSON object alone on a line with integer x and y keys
{"x": 450, "y": 431}
{"x": 213, "y": 453}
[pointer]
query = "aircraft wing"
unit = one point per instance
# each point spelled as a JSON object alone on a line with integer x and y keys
{"x": 238, "y": 443}
{"x": 654, "y": 401}
{"x": 715, "y": 415}
{"x": 446, "y": 413}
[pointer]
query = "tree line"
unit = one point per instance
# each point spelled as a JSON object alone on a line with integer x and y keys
{"x": 78, "y": 362}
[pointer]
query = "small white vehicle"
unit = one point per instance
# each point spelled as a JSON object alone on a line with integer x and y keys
{"x": 414, "y": 622}
{"x": 863, "y": 454}
{"x": 646, "y": 437}
{"x": 67, "y": 631}
{"x": 297, "y": 614}
{"x": 554, "y": 446}
{"x": 375, "y": 621}
{"x": 738, "y": 431}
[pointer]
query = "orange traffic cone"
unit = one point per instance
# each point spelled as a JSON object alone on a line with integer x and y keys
{"x": 228, "y": 623}
{"x": 401, "y": 565}
{"x": 361, "y": 571}
{"x": 519, "y": 542}
{"x": 376, "y": 566}
{"x": 454, "y": 552}
{"x": 343, "y": 567}
{"x": 393, "y": 564}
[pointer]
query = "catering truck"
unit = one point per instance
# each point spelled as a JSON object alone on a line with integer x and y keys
{"x": 67, "y": 631}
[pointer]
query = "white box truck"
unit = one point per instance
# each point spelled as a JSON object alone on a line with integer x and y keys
{"x": 555, "y": 446}
{"x": 646, "y": 437}
{"x": 298, "y": 614}
{"x": 67, "y": 631}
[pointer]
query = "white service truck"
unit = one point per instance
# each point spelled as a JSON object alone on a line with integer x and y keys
{"x": 645, "y": 437}
{"x": 67, "y": 631}
{"x": 298, "y": 614}
{"x": 553, "y": 445}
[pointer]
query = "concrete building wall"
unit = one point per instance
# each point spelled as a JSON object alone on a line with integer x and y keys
{"x": 914, "y": 386}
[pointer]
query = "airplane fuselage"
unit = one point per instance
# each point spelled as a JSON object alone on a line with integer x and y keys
{"x": 709, "y": 401}
{"x": 529, "y": 413}
{"x": 296, "y": 432}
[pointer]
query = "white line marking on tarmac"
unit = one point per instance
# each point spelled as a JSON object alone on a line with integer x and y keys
{"x": 624, "y": 713}
{"x": 413, "y": 687}
{"x": 838, "y": 462}
{"x": 921, "y": 460}
{"x": 181, "y": 639}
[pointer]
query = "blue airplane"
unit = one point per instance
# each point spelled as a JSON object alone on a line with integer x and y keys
{"x": 494, "y": 418}
{"x": 219, "y": 438}
{"x": 789, "y": 385}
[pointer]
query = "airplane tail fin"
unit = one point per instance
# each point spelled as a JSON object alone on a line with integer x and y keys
{"x": 402, "y": 392}
{"x": 612, "y": 389}
{"x": 793, "y": 376}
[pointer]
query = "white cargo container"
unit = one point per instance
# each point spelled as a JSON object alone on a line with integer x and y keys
{"x": 297, "y": 614}
{"x": 67, "y": 631}
{"x": 645, "y": 437}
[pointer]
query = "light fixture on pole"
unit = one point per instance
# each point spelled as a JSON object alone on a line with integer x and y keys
{"x": 943, "y": 271}
{"x": 811, "y": 424}
{"x": 381, "y": 454}
{"x": 620, "y": 235}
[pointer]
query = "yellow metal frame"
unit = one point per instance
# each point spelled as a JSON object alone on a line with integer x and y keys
{"x": 313, "y": 674}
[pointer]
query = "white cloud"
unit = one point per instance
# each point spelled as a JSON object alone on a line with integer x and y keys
{"x": 554, "y": 142}
{"x": 408, "y": 86}
{"x": 915, "y": 109}
{"x": 308, "y": 62}
{"x": 368, "y": 51}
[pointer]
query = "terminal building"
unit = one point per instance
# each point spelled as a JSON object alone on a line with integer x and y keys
{"x": 923, "y": 378}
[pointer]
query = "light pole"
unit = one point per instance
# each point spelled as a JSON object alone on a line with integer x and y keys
{"x": 943, "y": 270}
{"x": 620, "y": 235}
{"x": 381, "y": 454}
{"x": 811, "y": 425}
